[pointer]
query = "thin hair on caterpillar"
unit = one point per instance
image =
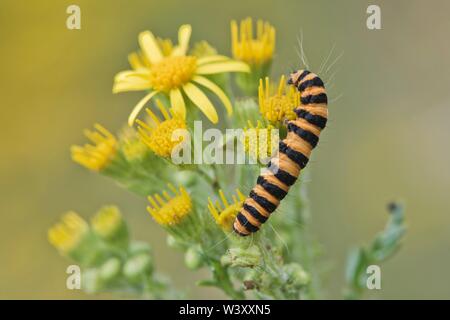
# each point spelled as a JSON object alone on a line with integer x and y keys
{"x": 325, "y": 67}
{"x": 294, "y": 151}
{"x": 225, "y": 238}
{"x": 280, "y": 238}
{"x": 285, "y": 213}
{"x": 291, "y": 220}
{"x": 301, "y": 52}
{"x": 325, "y": 61}
{"x": 329, "y": 68}
{"x": 328, "y": 79}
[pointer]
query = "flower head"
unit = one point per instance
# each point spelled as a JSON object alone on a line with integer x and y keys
{"x": 167, "y": 69}
{"x": 172, "y": 72}
{"x": 166, "y": 46}
{"x": 224, "y": 213}
{"x": 131, "y": 145}
{"x": 277, "y": 104}
{"x": 253, "y": 49}
{"x": 96, "y": 156}
{"x": 138, "y": 267}
{"x": 260, "y": 141}
{"x": 242, "y": 257}
{"x": 68, "y": 234}
{"x": 108, "y": 222}
{"x": 169, "y": 210}
{"x": 157, "y": 134}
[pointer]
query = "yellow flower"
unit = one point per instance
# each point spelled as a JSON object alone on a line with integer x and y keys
{"x": 224, "y": 213}
{"x": 96, "y": 156}
{"x": 254, "y": 50}
{"x": 107, "y": 222}
{"x": 175, "y": 73}
{"x": 132, "y": 147}
{"x": 279, "y": 105}
{"x": 260, "y": 141}
{"x": 157, "y": 134}
{"x": 170, "y": 210}
{"x": 67, "y": 235}
{"x": 166, "y": 46}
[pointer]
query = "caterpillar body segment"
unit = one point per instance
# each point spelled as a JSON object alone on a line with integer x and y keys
{"x": 294, "y": 153}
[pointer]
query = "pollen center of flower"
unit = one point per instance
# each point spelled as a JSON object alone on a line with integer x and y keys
{"x": 277, "y": 104}
{"x": 160, "y": 139}
{"x": 170, "y": 210}
{"x": 281, "y": 106}
{"x": 172, "y": 72}
{"x": 97, "y": 155}
{"x": 278, "y": 108}
{"x": 175, "y": 210}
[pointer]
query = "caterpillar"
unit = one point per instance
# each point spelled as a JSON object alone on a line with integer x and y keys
{"x": 294, "y": 152}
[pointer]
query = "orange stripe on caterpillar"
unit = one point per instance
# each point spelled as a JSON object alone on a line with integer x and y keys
{"x": 294, "y": 152}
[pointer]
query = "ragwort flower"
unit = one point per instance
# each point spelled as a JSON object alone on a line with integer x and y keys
{"x": 277, "y": 104}
{"x": 170, "y": 210}
{"x": 173, "y": 73}
{"x": 157, "y": 134}
{"x": 224, "y": 213}
{"x": 98, "y": 155}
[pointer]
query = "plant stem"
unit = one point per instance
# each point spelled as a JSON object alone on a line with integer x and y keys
{"x": 222, "y": 279}
{"x": 212, "y": 181}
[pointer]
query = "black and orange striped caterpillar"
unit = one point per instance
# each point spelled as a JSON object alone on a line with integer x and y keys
{"x": 294, "y": 152}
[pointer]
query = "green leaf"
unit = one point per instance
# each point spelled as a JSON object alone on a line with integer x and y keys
{"x": 385, "y": 244}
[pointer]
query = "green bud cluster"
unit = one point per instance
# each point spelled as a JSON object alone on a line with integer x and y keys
{"x": 111, "y": 261}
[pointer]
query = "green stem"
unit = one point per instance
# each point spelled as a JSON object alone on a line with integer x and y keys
{"x": 222, "y": 280}
{"x": 211, "y": 181}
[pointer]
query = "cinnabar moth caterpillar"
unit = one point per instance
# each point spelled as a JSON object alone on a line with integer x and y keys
{"x": 294, "y": 152}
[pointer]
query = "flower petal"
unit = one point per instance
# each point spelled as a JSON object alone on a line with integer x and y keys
{"x": 139, "y": 106}
{"x": 177, "y": 103}
{"x": 227, "y": 66}
{"x": 150, "y": 46}
{"x": 131, "y": 80}
{"x": 124, "y": 86}
{"x": 217, "y": 90}
{"x": 129, "y": 74}
{"x": 135, "y": 61}
{"x": 211, "y": 59}
{"x": 201, "y": 101}
{"x": 184, "y": 35}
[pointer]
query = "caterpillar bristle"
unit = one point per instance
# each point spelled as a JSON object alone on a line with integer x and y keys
{"x": 294, "y": 153}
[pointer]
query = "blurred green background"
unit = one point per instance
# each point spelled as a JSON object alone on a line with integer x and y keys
{"x": 387, "y": 137}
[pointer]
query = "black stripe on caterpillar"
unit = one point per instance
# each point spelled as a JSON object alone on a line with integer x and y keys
{"x": 294, "y": 152}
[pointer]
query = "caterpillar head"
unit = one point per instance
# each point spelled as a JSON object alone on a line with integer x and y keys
{"x": 294, "y": 77}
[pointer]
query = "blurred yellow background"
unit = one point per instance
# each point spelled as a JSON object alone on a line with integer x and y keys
{"x": 387, "y": 138}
